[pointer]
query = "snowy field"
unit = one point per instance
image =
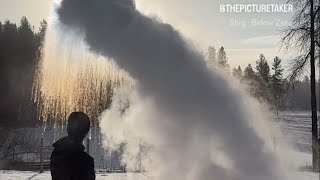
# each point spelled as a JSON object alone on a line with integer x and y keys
{"x": 296, "y": 130}
{"x": 20, "y": 175}
{"x": 295, "y": 126}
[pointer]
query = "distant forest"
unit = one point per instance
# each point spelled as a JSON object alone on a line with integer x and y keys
{"x": 21, "y": 48}
{"x": 266, "y": 82}
{"x": 298, "y": 96}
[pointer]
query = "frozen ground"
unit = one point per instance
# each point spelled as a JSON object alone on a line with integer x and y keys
{"x": 20, "y": 175}
{"x": 296, "y": 127}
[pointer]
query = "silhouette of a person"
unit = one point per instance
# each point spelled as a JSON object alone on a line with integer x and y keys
{"x": 69, "y": 161}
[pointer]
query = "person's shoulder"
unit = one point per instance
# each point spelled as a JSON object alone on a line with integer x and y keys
{"x": 86, "y": 159}
{"x": 86, "y": 156}
{"x": 59, "y": 141}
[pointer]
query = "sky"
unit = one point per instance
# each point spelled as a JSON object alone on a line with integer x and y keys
{"x": 200, "y": 21}
{"x": 34, "y": 10}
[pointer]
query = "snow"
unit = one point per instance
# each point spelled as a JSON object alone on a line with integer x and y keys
{"x": 27, "y": 175}
{"x": 304, "y": 176}
{"x": 20, "y": 175}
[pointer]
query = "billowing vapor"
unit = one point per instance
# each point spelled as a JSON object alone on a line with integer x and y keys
{"x": 190, "y": 123}
{"x": 70, "y": 78}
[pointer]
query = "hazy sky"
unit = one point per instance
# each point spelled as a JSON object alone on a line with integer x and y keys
{"x": 202, "y": 21}
{"x": 34, "y": 10}
{"x": 199, "y": 20}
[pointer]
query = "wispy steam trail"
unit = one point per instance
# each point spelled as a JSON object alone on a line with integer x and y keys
{"x": 194, "y": 106}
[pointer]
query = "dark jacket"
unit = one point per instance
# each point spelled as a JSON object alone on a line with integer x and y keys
{"x": 69, "y": 161}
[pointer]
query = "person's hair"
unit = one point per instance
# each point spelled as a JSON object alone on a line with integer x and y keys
{"x": 78, "y": 125}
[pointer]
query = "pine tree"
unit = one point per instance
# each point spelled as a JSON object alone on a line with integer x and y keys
{"x": 42, "y": 31}
{"x": 234, "y": 72}
{"x": 237, "y": 72}
{"x": 250, "y": 78}
{"x": 222, "y": 60}
{"x": 25, "y": 28}
{"x": 263, "y": 79}
{"x": 258, "y": 87}
{"x": 40, "y": 39}
{"x": 248, "y": 73}
{"x": 277, "y": 82}
{"x": 211, "y": 56}
{"x": 263, "y": 68}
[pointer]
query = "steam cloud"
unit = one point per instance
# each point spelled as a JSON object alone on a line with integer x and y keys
{"x": 194, "y": 120}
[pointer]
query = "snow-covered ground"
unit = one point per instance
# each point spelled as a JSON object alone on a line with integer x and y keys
{"x": 26, "y": 175}
{"x": 19, "y": 175}
{"x": 295, "y": 126}
{"x": 296, "y": 131}
{"x": 303, "y": 176}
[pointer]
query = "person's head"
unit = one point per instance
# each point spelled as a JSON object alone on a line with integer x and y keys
{"x": 78, "y": 125}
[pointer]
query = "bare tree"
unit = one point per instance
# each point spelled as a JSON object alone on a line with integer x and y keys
{"x": 301, "y": 36}
{"x": 19, "y": 143}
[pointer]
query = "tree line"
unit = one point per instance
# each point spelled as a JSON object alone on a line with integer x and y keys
{"x": 20, "y": 49}
{"x": 265, "y": 82}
